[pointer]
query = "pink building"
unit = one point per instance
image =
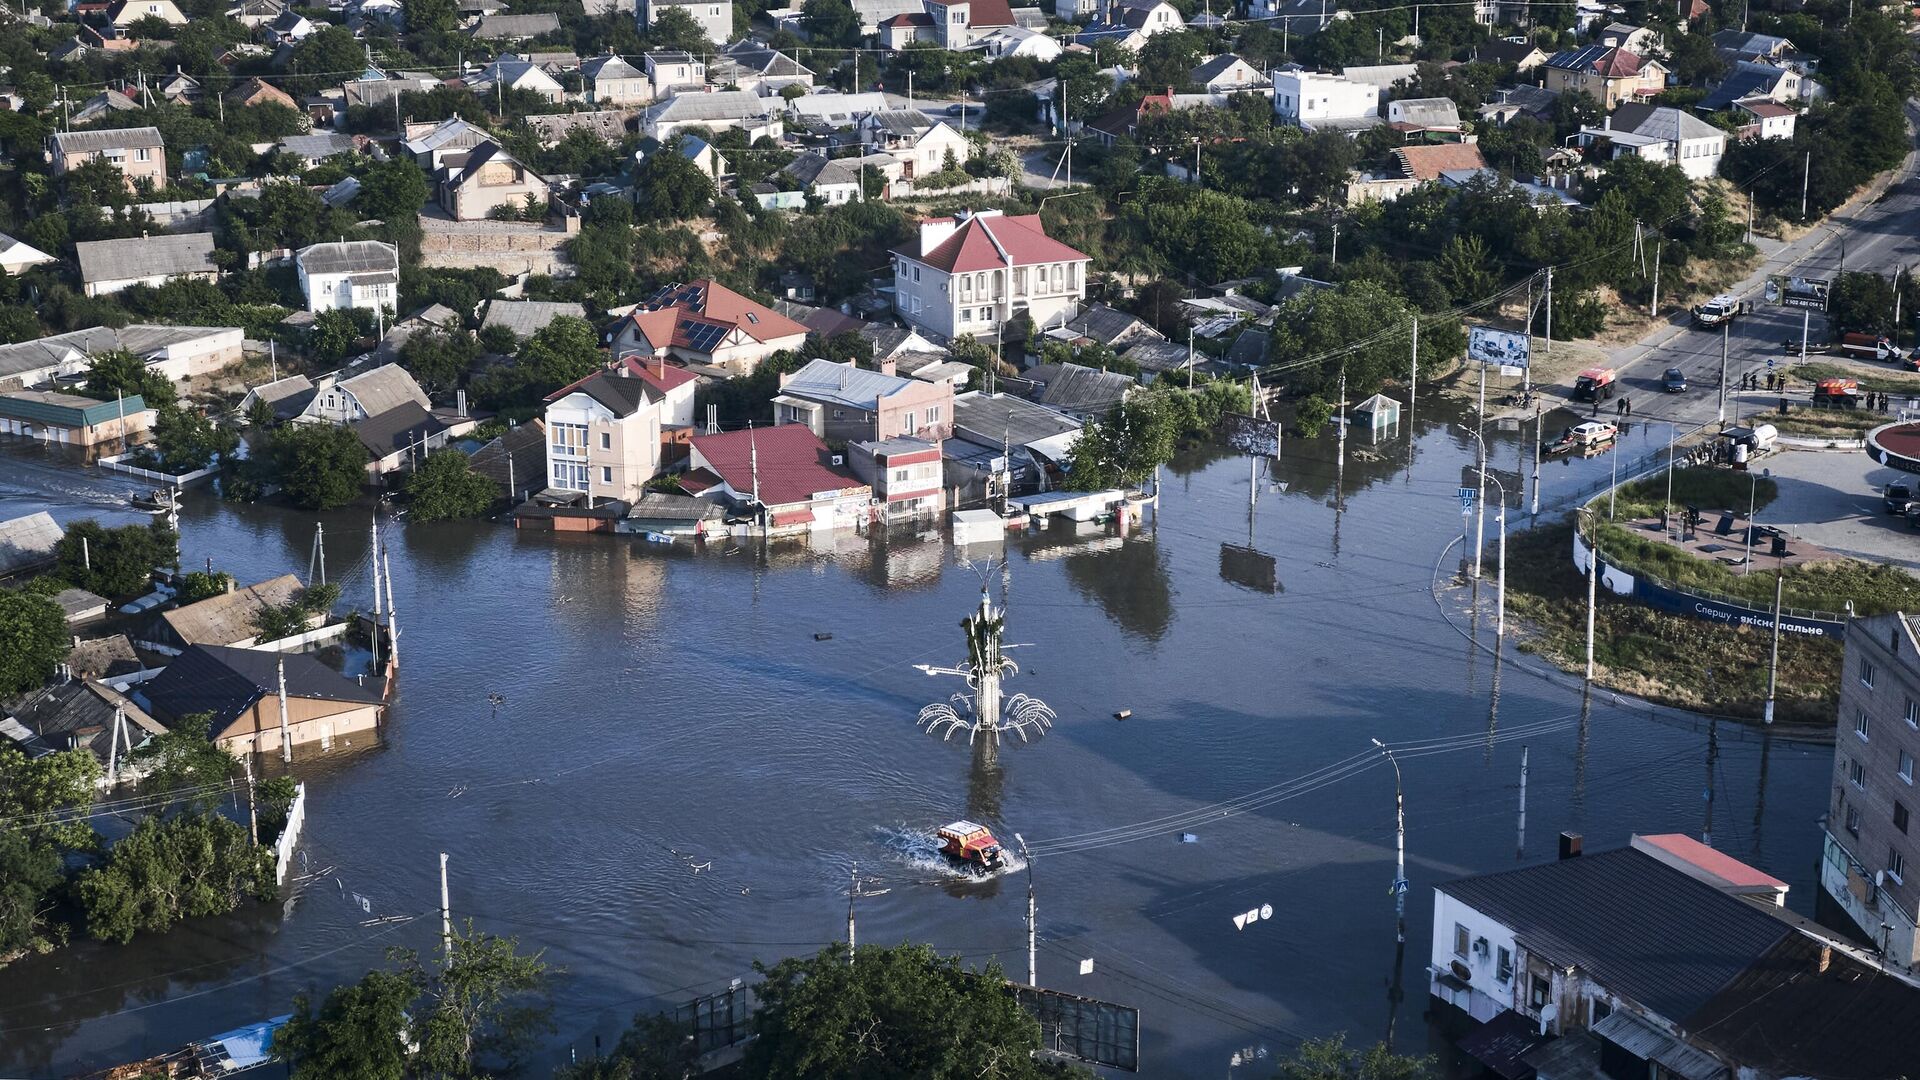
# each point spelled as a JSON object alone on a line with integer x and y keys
{"x": 843, "y": 402}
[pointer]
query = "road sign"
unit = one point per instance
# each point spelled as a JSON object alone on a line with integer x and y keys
{"x": 1399, "y": 886}
{"x": 1769, "y": 363}
{"x": 1466, "y": 500}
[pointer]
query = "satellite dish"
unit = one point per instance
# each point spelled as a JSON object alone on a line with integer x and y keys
{"x": 1266, "y": 911}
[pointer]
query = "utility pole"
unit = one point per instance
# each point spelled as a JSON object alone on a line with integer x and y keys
{"x": 86, "y": 554}
{"x": 113, "y": 752}
{"x": 1546, "y": 347}
{"x": 253, "y": 820}
{"x": 286, "y": 736}
{"x": 1659, "y": 249}
{"x": 1773, "y": 661}
{"x": 1593, "y": 582}
{"x": 1335, "y": 259}
{"x": 1033, "y": 940}
{"x": 446, "y": 917}
{"x": 373, "y": 561}
{"x": 393, "y": 626}
{"x": 1806, "y": 180}
{"x": 1500, "y": 581}
{"x": 1520, "y": 845}
{"x": 1539, "y": 425}
{"x": 1725, "y": 328}
{"x": 1400, "y": 846}
{"x": 1413, "y": 369}
{"x": 1480, "y": 504}
{"x": 853, "y": 890}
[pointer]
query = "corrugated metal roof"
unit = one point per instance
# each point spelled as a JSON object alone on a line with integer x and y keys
{"x": 528, "y": 317}
{"x": 165, "y": 255}
{"x": 842, "y": 384}
{"x": 351, "y": 257}
{"x": 26, "y": 542}
{"x": 91, "y": 142}
{"x": 228, "y": 618}
{"x": 66, "y": 410}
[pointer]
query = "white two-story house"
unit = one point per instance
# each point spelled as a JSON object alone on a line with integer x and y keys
{"x": 354, "y": 274}
{"x": 606, "y": 434}
{"x": 970, "y": 273}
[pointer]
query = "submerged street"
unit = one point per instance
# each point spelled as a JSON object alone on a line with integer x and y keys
{"x": 684, "y": 772}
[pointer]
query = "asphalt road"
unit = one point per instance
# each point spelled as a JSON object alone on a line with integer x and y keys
{"x": 1879, "y": 231}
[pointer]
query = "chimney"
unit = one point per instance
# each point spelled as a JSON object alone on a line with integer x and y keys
{"x": 1570, "y": 845}
{"x": 229, "y": 584}
{"x": 1823, "y": 960}
{"x": 934, "y": 231}
{"x": 887, "y": 366}
{"x": 460, "y": 403}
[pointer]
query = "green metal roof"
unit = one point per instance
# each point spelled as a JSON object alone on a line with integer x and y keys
{"x": 65, "y": 410}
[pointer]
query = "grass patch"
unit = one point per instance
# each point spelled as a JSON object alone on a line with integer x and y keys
{"x": 1704, "y": 487}
{"x": 1893, "y": 382}
{"x": 1828, "y": 423}
{"x": 1669, "y": 659}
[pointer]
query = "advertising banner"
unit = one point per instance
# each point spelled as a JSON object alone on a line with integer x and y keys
{"x": 1788, "y": 290}
{"x": 1491, "y": 345}
{"x": 1251, "y": 435}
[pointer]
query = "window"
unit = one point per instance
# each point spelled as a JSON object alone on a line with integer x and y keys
{"x": 606, "y": 440}
{"x": 1913, "y": 713}
{"x": 1896, "y": 864}
{"x": 606, "y": 474}
{"x": 1900, "y": 816}
{"x": 1906, "y": 766}
{"x": 966, "y": 314}
{"x": 1504, "y": 971}
{"x": 1853, "y": 822}
{"x": 1858, "y": 774}
{"x": 1461, "y": 940}
{"x": 1861, "y": 723}
{"x": 1539, "y": 992}
{"x": 1866, "y": 674}
{"x": 1601, "y": 1010}
{"x": 143, "y": 154}
{"x": 916, "y": 273}
{"x": 933, "y": 414}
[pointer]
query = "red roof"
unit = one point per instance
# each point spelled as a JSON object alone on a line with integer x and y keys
{"x": 1617, "y": 64}
{"x": 794, "y": 465}
{"x": 973, "y": 245}
{"x": 1429, "y": 161}
{"x": 1766, "y": 107}
{"x": 716, "y": 305}
{"x": 987, "y": 13}
{"x": 1720, "y": 865}
{"x": 910, "y": 18}
{"x": 657, "y": 373}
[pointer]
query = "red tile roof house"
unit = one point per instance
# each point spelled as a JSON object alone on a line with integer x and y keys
{"x": 706, "y": 323}
{"x": 970, "y": 273}
{"x": 905, "y": 474}
{"x": 784, "y": 477}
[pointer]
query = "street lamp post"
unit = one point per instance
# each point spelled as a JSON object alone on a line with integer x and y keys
{"x": 1480, "y": 504}
{"x": 1033, "y": 978}
{"x": 1500, "y": 574}
{"x": 1593, "y": 580}
{"x": 1400, "y": 845}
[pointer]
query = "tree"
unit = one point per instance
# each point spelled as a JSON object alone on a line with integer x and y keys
{"x": 674, "y": 28}
{"x": 113, "y": 562}
{"x": 1330, "y": 1059}
{"x": 831, "y": 23}
{"x": 1860, "y": 303}
{"x": 446, "y": 487}
{"x": 33, "y": 640}
{"x": 334, "y": 333}
{"x": 170, "y": 869}
{"x": 676, "y": 188}
{"x": 439, "y": 359}
{"x": 391, "y": 190}
{"x": 118, "y": 372}
{"x": 432, "y": 16}
{"x": 487, "y": 1003}
{"x": 561, "y": 352}
{"x": 185, "y": 440}
{"x": 320, "y": 466}
{"x": 296, "y": 615}
{"x": 204, "y": 585}
{"x": 1124, "y": 449}
{"x": 1466, "y": 268}
{"x": 35, "y": 794}
{"x": 323, "y": 55}
{"x": 899, "y": 1011}
{"x": 357, "y": 1033}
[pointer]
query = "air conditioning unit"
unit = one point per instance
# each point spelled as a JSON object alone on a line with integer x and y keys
{"x": 839, "y": 459}
{"x": 1481, "y": 947}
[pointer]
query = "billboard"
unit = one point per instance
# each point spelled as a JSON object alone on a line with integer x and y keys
{"x": 1789, "y": 290}
{"x": 1082, "y": 1028}
{"x": 1491, "y": 345}
{"x": 1251, "y": 435}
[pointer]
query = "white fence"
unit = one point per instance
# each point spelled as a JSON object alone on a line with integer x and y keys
{"x": 118, "y": 463}
{"x": 289, "y": 836}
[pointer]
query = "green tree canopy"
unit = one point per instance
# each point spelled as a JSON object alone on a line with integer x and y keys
{"x": 831, "y": 23}
{"x": 114, "y": 562}
{"x": 390, "y": 190}
{"x": 675, "y": 188}
{"x": 320, "y": 466}
{"x": 118, "y": 372}
{"x": 1332, "y": 1059}
{"x": 33, "y": 640}
{"x": 446, "y": 487}
{"x": 170, "y": 869}
{"x": 561, "y": 352}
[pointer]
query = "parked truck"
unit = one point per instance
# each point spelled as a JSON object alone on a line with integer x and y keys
{"x": 1594, "y": 384}
{"x": 1836, "y": 393}
{"x": 1720, "y": 309}
{"x": 1868, "y": 346}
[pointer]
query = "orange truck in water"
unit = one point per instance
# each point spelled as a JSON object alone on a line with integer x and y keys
{"x": 971, "y": 845}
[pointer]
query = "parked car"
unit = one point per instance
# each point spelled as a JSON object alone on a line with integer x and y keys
{"x": 1897, "y": 498}
{"x": 1912, "y": 362}
{"x": 1674, "y": 381}
{"x": 957, "y": 109}
{"x": 1869, "y": 347}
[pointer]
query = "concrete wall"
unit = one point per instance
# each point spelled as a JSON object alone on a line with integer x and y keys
{"x": 905, "y": 412}
{"x": 1487, "y": 996}
{"x": 200, "y": 356}
{"x": 507, "y": 246}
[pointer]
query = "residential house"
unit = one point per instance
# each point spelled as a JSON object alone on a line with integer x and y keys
{"x": 502, "y": 28}
{"x": 401, "y": 438}
{"x": 430, "y": 144}
{"x": 1083, "y": 393}
{"x": 122, "y": 14}
{"x": 1869, "y": 835}
{"x": 1023, "y": 443}
{"x": 1751, "y": 79}
{"x": 608, "y": 126}
{"x": 842, "y": 402}
{"x": 227, "y": 619}
{"x": 669, "y": 70}
{"x": 288, "y": 28}
{"x": 71, "y": 420}
{"x": 958, "y": 24}
{"x": 714, "y": 17}
{"x": 254, "y": 14}
{"x": 1663, "y": 134}
{"x": 318, "y": 147}
{"x": 179, "y": 88}
{"x": 905, "y": 474}
{"x": 350, "y": 274}
{"x": 705, "y": 323}
{"x": 833, "y": 181}
{"x": 612, "y": 81}
{"x": 1643, "y": 40}
{"x": 18, "y": 257}
{"x": 1293, "y": 18}
{"x": 970, "y": 273}
{"x": 239, "y": 690}
{"x": 287, "y": 396}
{"x": 1610, "y": 75}
{"x": 28, "y": 542}
{"x": 605, "y": 432}
{"x": 139, "y": 153}
{"x": 513, "y": 72}
{"x": 1386, "y": 79}
{"x": 1318, "y": 101}
{"x": 906, "y": 28}
{"x": 1535, "y": 102}
{"x": 176, "y": 352}
{"x": 1226, "y": 74}
{"x": 103, "y": 104}
{"x": 257, "y": 91}
{"x": 924, "y": 145}
{"x": 81, "y": 606}
{"x": 785, "y": 476}
{"x": 1657, "y": 964}
{"x": 515, "y": 460}
{"x": 1146, "y": 17}
{"x": 528, "y": 317}
{"x": 1104, "y": 325}
{"x": 827, "y": 111}
{"x": 1424, "y": 164}
{"x": 1737, "y": 45}
{"x": 487, "y": 178}
{"x": 80, "y": 714}
{"x": 372, "y": 392}
{"x": 1022, "y": 41}
{"x": 709, "y": 161}
{"x": 1764, "y": 118}
{"x": 757, "y": 68}
{"x": 717, "y": 111}
{"x": 1416, "y": 118}
{"x": 1124, "y": 122}
{"x": 1520, "y": 53}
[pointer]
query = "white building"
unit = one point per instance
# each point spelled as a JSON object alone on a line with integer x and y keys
{"x": 669, "y": 70}
{"x": 356, "y": 273}
{"x": 108, "y": 266}
{"x": 17, "y": 257}
{"x": 1304, "y": 98}
{"x": 714, "y": 16}
{"x": 716, "y": 111}
{"x": 970, "y": 273}
{"x": 1662, "y": 134}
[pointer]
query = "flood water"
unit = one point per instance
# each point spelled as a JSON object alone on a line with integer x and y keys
{"x": 682, "y": 779}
